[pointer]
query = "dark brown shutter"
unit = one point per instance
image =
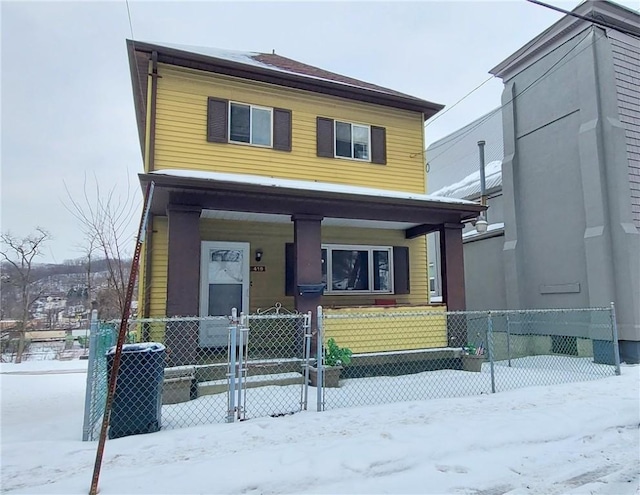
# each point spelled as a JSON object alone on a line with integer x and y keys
{"x": 289, "y": 267}
{"x": 217, "y": 111}
{"x": 378, "y": 145}
{"x": 401, "y": 270}
{"x": 324, "y": 137}
{"x": 281, "y": 129}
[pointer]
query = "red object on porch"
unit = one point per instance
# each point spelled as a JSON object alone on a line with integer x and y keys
{"x": 385, "y": 302}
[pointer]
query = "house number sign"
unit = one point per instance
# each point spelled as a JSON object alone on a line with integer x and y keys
{"x": 258, "y": 268}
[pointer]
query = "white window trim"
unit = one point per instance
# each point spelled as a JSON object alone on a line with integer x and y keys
{"x": 335, "y": 141}
{"x": 359, "y": 247}
{"x": 251, "y": 107}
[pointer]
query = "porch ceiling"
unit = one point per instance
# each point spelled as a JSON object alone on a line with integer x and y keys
{"x": 333, "y": 222}
{"x": 280, "y": 197}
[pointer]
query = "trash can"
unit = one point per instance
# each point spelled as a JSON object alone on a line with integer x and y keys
{"x": 137, "y": 402}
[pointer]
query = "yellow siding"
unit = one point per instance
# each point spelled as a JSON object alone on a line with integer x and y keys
{"x": 180, "y": 141}
{"x": 157, "y": 291}
{"x": 268, "y": 287}
{"x": 382, "y": 329}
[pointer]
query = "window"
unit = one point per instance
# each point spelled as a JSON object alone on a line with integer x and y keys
{"x": 250, "y": 124}
{"x": 352, "y": 141}
{"x": 335, "y": 139}
{"x": 432, "y": 278}
{"x": 357, "y": 268}
{"x": 231, "y": 122}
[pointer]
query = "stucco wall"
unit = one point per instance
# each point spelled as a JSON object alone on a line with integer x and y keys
{"x": 570, "y": 240}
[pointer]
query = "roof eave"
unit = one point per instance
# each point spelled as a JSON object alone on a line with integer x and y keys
{"x": 612, "y": 13}
{"x": 464, "y": 210}
{"x": 213, "y": 64}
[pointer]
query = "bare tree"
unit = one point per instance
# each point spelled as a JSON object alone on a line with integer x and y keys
{"x": 106, "y": 222}
{"x": 20, "y": 255}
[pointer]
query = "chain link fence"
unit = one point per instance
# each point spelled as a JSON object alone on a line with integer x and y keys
{"x": 101, "y": 338}
{"x": 403, "y": 354}
{"x": 181, "y": 372}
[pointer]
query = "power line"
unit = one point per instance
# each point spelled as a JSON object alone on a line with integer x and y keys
{"x": 591, "y": 19}
{"x": 535, "y": 81}
{"x": 460, "y": 100}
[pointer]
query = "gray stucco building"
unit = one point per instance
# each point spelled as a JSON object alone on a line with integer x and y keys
{"x": 570, "y": 181}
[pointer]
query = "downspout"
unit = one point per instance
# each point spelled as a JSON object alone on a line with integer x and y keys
{"x": 150, "y": 145}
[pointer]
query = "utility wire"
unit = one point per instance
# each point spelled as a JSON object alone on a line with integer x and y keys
{"x": 460, "y": 100}
{"x": 592, "y": 19}
{"x": 535, "y": 81}
{"x": 133, "y": 43}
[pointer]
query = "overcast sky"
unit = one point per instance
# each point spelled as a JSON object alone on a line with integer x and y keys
{"x": 67, "y": 107}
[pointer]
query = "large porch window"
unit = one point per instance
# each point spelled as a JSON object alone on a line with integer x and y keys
{"x": 359, "y": 269}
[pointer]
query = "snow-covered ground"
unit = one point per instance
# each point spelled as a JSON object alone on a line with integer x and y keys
{"x": 563, "y": 439}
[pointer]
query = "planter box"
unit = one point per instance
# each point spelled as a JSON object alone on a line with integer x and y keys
{"x": 331, "y": 376}
{"x": 472, "y": 362}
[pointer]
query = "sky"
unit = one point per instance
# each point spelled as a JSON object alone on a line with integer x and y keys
{"x": 67, "y": 116}
{"x": 571, "y": 438}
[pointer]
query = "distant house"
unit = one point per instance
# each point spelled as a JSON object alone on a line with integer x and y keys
{"x": 278, "y": 182}
{"x": 569, "y": 192}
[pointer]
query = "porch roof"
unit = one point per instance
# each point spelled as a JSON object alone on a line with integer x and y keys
{"x": 260, "y": 194}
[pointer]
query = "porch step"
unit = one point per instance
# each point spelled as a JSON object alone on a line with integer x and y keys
{"x": 213, "y": 387}
{"x": 218, "y": 371}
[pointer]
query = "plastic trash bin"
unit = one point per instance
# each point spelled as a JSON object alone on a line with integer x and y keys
{"x": 137, "y": 403}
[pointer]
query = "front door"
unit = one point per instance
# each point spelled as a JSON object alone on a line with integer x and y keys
{"x": 224, "y": 276}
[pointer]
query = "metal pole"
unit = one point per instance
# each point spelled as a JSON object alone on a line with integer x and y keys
{"x": 320, "y": 364}
{"x": 508, "y": 343}
{"x": 93, "y": 336}
{"x": 490, "y": 346}
{"x": 307, "y": 356}
{"x": 233, "y": 329}
{"x": 614, "y": 329}
{"x": 142, "y": 230}
{"x": 483, "y": 186}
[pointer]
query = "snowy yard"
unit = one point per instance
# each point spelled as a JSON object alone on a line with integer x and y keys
{"x": 576, "y": 438}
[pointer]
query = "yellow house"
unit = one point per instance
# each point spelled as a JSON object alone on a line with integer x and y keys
{"x": 279, "y": 182}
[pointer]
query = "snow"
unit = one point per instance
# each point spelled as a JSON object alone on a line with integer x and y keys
{"x": 248, "y": 58}
{"x": 303, "y": 185}
{"x": 564, "y": 439}
{"x": 470, "y": 185}
{"x": 490, "y": 228}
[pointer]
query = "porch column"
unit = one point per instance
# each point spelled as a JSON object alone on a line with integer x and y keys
{"x": 183, "y": 281}
{"x": 308, "y": 261}
{"x": 453, "y": 293}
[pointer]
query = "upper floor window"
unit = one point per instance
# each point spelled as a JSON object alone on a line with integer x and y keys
{"x": 352, "y": 140}
{"x": 233, "y": 122}
{"x": 250, "y": 124}
{"x": 338, "y": 139}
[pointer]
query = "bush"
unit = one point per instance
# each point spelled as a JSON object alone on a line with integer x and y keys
{"x": 334, "y": 355}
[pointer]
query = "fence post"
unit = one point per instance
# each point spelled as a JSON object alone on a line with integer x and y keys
{"x": 508, "y": 342}
{"x": 231, "y": 393}
{"x": 320, "y": 363}
{"x": 490, "y": 346}
{"x": 242, "y": 362}
{"x": 307, "y": 356}
{"x": 614, "y": 332}
{"x": 91, "y": 366}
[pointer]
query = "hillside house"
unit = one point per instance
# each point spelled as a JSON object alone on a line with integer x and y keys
{"x": 278, "y": 182}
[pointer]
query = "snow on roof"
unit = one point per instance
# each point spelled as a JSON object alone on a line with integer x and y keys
{"x": 470, "y": 185}
{"x": 490, "y": 228}
{"x": 304, "y": 185}
{"x": 274, "y": 62}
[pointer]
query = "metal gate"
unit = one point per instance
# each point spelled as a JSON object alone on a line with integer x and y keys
{"x": 269, "y": 354}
